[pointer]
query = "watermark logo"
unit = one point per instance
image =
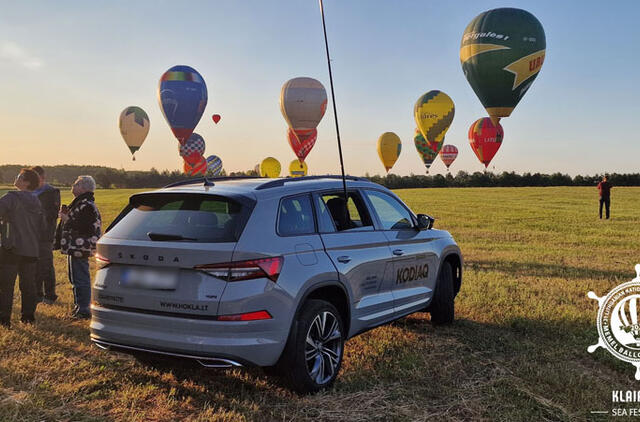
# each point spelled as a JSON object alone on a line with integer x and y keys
{"x": 618, "y": 322}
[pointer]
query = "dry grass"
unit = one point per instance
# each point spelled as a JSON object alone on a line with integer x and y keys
{"x": 516, "y": 352}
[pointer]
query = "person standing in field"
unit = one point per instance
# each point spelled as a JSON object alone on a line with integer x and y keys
{"x": 46, "y": 275}
{"x": 604, "y": 187}
{"x": 21, "y": 228}
{"x": 79, "y": 230}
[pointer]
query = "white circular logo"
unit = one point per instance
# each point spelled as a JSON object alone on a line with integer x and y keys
{"x": 619, "y": 322}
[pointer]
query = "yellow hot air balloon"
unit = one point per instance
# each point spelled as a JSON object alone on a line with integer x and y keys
{"x": 270, "y": 167}
{"x": 434, "y": 113}
{"x": 298, "y": 168}
{"x": 134, "y": 127}
{"x": 389, "y": 147}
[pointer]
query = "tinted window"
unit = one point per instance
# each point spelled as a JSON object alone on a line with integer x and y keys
{"x": 296, "y": 216}
{"x": 195, "y": 218}
{"x": 357, "y": 215}
{"x": 392, "y": 215}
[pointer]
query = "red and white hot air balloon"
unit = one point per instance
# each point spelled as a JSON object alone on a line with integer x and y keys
{"x": 448, "y": 154}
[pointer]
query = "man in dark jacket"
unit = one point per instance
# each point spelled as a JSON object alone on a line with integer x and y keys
{"x": 46, "y": 275}
{"x": 80, "y": 229}
{"x": 604, "y": 188}
{"x": 22, "y": 226}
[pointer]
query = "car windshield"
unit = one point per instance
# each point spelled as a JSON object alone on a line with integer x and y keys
{"x": 179, "y": 217}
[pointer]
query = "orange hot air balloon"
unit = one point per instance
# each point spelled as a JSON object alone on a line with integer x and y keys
{"x": 199, "y": 168}
{"x": 448, "y": 154}
{"x": 485, "y": 139}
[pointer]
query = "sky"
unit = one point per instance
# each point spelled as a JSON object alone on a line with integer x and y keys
{"x": 70, "y": 67}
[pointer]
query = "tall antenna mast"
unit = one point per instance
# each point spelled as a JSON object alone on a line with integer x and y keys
{"x": 335, "y": 113}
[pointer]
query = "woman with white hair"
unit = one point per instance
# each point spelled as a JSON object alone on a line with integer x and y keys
{"x": 79, "y": 230}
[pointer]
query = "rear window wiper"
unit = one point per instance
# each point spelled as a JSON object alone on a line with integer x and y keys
{"x": 167, "y": 237}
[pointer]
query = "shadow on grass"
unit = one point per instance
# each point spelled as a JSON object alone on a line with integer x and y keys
{"x": 541, "y": 269}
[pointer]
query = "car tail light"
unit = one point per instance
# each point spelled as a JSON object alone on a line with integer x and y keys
{"x": 250, "y": 316}
{"x": 101, "y": 261}
{"x": 245, "y": 270}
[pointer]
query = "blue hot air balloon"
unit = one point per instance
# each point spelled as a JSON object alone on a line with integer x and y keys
{"x": 214, "y": 165}
{"x": 182, "y": 94}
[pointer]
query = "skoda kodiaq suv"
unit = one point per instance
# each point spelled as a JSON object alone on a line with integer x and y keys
{"x": 268, "y": 272}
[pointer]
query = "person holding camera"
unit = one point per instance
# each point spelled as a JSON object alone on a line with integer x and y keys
{"x": 21, "y": 228}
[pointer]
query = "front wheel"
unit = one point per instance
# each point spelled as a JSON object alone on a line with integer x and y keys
{"x": 442, "y": 306}
{"x": 313, "y": 354}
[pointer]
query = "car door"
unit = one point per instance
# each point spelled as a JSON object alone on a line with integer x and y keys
{"x": 361, "y": 255}
{"x": 414, "y": 255}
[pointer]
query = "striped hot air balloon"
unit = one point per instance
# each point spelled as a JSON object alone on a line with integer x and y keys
{"x": 448, "y": 154}
{"x": 214, "y": 165}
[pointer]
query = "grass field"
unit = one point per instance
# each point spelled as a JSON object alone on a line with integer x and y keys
{"x": 516, "y": 352}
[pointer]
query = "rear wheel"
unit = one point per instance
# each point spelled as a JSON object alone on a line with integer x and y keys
{"x": 313, "y": 354}
{"x": 442, "y": 306}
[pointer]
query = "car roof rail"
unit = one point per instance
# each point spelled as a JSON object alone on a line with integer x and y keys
{"x": 207, "y": 181}
{"x": 281, "y": 182}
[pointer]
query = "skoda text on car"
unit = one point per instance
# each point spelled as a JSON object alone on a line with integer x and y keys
{"x": 267, "y": 272}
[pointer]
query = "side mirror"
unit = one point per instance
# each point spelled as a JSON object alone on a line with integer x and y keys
{"x": 425, "y": 222}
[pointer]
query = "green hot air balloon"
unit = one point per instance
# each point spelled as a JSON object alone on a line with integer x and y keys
{"x": 428, "y": 151}
{"x": 501, "y": 53}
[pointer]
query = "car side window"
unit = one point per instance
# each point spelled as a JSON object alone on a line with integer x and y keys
{"x": 392, "y": 215}
{"x": 296, "y": 216}
{"x": 356, "y": 217}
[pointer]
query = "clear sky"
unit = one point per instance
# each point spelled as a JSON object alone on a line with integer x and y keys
{"x": 70, "y": 67}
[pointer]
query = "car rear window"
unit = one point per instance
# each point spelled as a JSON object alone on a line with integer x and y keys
{"x": 179, "y": 217}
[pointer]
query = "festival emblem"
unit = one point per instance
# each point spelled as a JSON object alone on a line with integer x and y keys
{"x": 618, "y": 323}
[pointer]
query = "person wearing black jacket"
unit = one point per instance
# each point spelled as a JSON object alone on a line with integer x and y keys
{"x": 21, "y": 227}
{"x": 78, "y": 232}
{"x": 46, "y": 275}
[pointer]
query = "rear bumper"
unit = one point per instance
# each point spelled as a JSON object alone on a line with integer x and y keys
{"x": 251, "y": 342}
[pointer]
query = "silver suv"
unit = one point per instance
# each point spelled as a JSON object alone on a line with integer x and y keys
{"x": 269, "y": 272}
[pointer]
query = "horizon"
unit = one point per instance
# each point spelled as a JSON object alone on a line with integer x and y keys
{"x": 63, "y": 93}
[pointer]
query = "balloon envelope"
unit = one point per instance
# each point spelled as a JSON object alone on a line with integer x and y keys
{"x": 303, "y": 102}
{"x": 298, "y": 168}
{"x": 389, "y": 147}
{"x": 434, "y": 113}
{"x": 270, "y": 167}
{"x": 134, "y": 127}
{"x": 198, "y": 168}
{"x": 302, "y": 141}
{"x": 427, "y": 151}
{"x": 214, "y": 165}
{"x": 182, "y": 94}
{"x": 485, "y": 139}
{"x": 448, "y": 154}
{"x": 501, "y": 53}
{"x": 195, "y": 143}
{"x": 216, "y": 118}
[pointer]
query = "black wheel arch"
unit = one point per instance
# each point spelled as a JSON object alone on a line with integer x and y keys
{"x": 455, "y": 260}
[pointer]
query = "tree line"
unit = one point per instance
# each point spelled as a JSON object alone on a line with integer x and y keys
{"x": 107, "y": 177}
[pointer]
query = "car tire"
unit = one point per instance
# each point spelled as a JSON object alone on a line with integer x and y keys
{"x": 311, "y": 366}
{"x": 442, "y": 307}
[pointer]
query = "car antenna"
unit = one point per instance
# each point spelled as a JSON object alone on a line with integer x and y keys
{"x": 335, "y": 113}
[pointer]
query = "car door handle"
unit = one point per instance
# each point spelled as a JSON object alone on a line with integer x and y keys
{"x": 398, "y": 252}
{"x": 344, "y": 259}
